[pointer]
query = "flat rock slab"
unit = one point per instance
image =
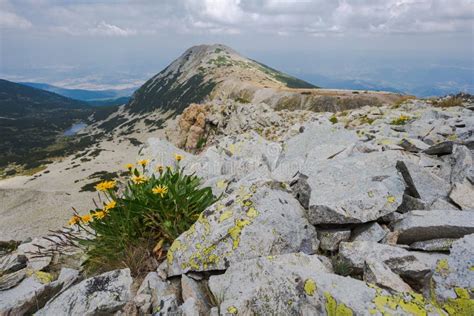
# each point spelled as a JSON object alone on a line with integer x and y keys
{"x": 357, "y": 189}
{"x": 441, "y": 244}
{"x": 318, "y": 141}
{"x": 453, "y": 278}
{"x": 368, "y": 232}
{"x": 415, "y": 265}
{"x": 378, "y": 273}
{"x": 298, "y": 284}
{"x": 426, "y": 225}
{"x": 103, "y": 294}
{"x": 422, "y": 183}
{"x": 254, "y": 221}
{"x": 462, "y": 194}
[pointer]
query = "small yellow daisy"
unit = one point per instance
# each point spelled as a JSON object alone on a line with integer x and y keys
{"x": 105, "y": 185}
{"x": 86, "y": 218}
{"x": 139, "y": 179}
{"x": 160, "y": 189}
{"x": 74, "y": 220}
{"x": 143, "y": 162}
{"x": 110, "y": 205}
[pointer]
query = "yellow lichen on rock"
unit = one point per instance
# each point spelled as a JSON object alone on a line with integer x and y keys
{"x": 463, "y": 305}
{"x": 176, "y": 245}
{"x": 334, "y": 309}
{"x": 235, "y": 231}
{"x": 232, "y": 310}
{"x": 225, "y": 215}
{"x": 41, "y": 276}
{"x": 309, "y": 287}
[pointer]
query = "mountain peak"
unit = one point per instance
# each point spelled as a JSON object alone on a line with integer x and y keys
{"x": 207, "y": 71}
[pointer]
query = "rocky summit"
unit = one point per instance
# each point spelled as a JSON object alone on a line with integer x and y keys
{"x": 362, "y": 209}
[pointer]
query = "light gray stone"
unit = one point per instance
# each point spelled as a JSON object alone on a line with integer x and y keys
{"x": 7, "y": 281}
{"x": 29, "y": 295}
{"x": 254, "y": 221}
{"x": 441, "y": 204}
{"x": 318, "y": 142}
{"x": 411, "y": 203}
{"x": 412, "y": 264}
{"x": 462, "y": 194}
{"x": 462, "y": 164}
{"x": 105, "y": 293}
{"x": 421, "y": 183}
{"x": 443, "y": 148}
{"x": 357, "y": 189}
{"x": 330, "y": 238}
{"x": 32, "y": 249}
{"x": 152, "y": 289}
{"x": 453, "y": 278}
{"x": 11, "y": 263}
{"x": 378, "y": 273}
{"x": 190, "y": 307}
{"x": 292, "y": 284}
{"x": 441, "y": 244}
{"x": 196, "y": 290}
{"x": 168, "y": 306}
{"x": 413, "y": 145}
{"x": 368, "y": 232}
{"x": 426, "y": 225}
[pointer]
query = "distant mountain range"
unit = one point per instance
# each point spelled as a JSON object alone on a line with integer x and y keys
{"x": 92, "y": 97}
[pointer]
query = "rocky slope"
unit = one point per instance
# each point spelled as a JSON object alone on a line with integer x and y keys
{"x": 217, "y": 74}
{"x": 359, "y": 212}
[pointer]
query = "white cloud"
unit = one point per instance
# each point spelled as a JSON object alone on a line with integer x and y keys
{"x": 9, "y": 19}
{"x": 284, "y": 17}
{"x": 107, "y": 29}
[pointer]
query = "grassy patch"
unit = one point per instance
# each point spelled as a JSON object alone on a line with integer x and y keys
{"x": 401, "y": 120}
{"x": 140, "y": 218}
{"x": 448, "y": 102}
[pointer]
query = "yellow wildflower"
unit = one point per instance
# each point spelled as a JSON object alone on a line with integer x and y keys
{"x": 86, "y": 218}
{"x": 110, "y": 205}
{"x": 160, "y": 189}
{"x": 143, "y": 162}
{"x": 178, "y": 157}
{"x": 139, "y": 179}
{"x": 160, "y": 169}
{"x": 129, "y": 166}
{"x": 100, "y": 214}
{"x": 74, "y": 220}
{"x": 105, "y": 185}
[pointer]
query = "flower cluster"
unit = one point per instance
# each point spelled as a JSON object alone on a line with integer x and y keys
{"x": 141, "y": 216}
{"x": 136, "y": 179}
{"x": 106, "y": 185}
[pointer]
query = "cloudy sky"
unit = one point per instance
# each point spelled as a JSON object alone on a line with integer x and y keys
{"x": 122, "y": 42}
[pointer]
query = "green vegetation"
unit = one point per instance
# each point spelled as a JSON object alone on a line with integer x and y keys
{"x": 333, "y": 119}
{"x": 291, "y": 82}
{"x": 448, "y": 102}
{"x": 167, "y": 94}
{"x": 242, "y": 100}
{"x": 32, "y": 123}
{"x": 340, "y": 266}
{"x": 139, "y": 222}
{"x": 401, "y": 120}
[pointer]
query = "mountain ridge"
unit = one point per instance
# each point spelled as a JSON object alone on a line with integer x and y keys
{"x": 205, "y": 70}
